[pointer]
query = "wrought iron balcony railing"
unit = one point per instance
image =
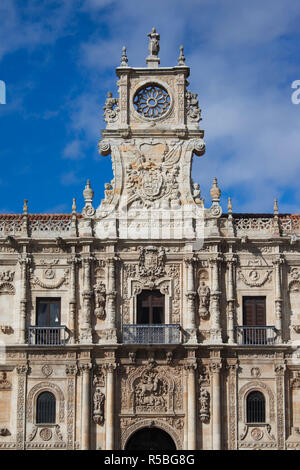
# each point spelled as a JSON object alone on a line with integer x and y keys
{"x": 47, "y": 335}
{"x": 151, "y": 334}
{"x": 256, "y": 335}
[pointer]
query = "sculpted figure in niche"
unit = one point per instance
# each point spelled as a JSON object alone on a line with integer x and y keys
{"x": 98, "y": 414}
{"x": 204, "y": 297}
{"x": 4, "y": 383}
{"x": 100, "y": 298}
{"x": 204, "y": 406}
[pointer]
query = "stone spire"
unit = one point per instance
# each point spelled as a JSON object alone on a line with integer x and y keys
{"x": 153, "y": 60}
{"x": 275, "y": 208}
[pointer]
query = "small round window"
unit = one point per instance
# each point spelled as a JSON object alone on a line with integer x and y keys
{"x": 152, "y": 101}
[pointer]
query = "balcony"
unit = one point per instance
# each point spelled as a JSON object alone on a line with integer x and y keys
{"x": 256, "y": 335}
{"x": 47, "y": 335}
{"x": 151, "y": 334}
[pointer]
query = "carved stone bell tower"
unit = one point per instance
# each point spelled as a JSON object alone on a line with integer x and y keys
{"x": 152, "y": 134}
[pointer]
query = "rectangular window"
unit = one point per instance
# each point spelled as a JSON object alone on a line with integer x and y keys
{"x": 48, "y": 312}
{"x": 254, "y": 311}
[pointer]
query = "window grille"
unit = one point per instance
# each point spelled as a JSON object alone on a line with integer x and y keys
{"x": 46, "y": 408}
{"x": 256, "y": 408}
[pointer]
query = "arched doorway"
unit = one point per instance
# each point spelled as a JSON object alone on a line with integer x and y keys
{"x": 150, "y": 439}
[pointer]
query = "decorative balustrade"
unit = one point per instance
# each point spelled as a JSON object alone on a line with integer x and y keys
{"x": 47, "y": 335}
{"x": 151, "y": 334}
{"x": 256, "y": 335}
{"x": 39, "y": 225}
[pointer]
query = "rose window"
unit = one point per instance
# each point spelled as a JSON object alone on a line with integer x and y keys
{"x": 152, "y": 101}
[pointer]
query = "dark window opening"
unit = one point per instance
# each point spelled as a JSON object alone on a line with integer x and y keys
{"x": 46, "y": 408}
{"x": 256, "y": 408}
{"x": 151, "y": 308}
{"x": 254, "y": 311}
{"x": 48, "y": 312}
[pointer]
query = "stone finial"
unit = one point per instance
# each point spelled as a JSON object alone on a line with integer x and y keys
{"x": 229, "y": 206}
{"x": 215, "y": 191}
{"x": 124, "y": 58}
{"x": 181, "y": 58}
{"x": 88, "y": 193}
{"x": 153, "y": 59}
{"x": 74, "y": 207}
{"x": 275, "y": 208}
{"x": 25, "y": 206}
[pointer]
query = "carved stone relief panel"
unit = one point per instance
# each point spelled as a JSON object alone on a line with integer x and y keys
{"x": 151, "y": 389}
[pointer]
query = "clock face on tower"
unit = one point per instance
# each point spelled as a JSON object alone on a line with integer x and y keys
{"x": 152, "y": 101}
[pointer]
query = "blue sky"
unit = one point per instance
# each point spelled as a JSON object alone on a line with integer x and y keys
{"x": 58, "y": 61}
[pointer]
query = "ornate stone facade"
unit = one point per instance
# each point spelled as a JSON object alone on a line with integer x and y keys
{"x": 189, "y": 372}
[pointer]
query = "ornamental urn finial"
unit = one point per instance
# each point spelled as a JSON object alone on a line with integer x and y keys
{"x": 181, "y": 58}
{"x": 229, "y": 206}
{"x": 74, "y": 207}
{"x": 25, "y": 206}
{"x": 124, "y": 58}
{"x": 275, "y": 208}
{"x": 215, "y": 191}
{"x": 88, "y": 193}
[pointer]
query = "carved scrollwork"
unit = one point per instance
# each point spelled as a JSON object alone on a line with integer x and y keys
{"x": 254, "y": 277}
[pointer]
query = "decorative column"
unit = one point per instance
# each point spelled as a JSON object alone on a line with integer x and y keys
{"x": 111, "y": 294}
{"x": 24, "y": 261}
{"x": 190, "y": 323}
{"x": 277, "y": 262}
{"x": 192, "y": 407}
{"x": 21, "y": 370}
{"x": 86, "y": 330}
{"x": 215, "y": 369}
{"x": 231, "y": 300}
{"x": 85, "y": 403}
{"x": 232, "y": 368}
{"x": 279, "y": 370}
{"x": 73, "y": 261}
{"x": 110, "y": 405}
{"x": 216, "y": 333}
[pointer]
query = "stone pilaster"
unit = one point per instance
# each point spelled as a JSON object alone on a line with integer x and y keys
{"x": 215, "y": 370}
{"x": 111, "y": 295}
{"x": 110, "y": 405}
{"x": 231, "y": 300}
{"x": 22, "y": 371}
{"x": 71, "y": 372}
{"x": 279, "y": 369}
{"x": 190, "y": 323}
{"x": 278, "y": 262}
{"x": 232, "y": 368}
{"x": 192, "y": 405}
{"x": 216, "y": 333}
{"x": 24, "y": 261}
{"x": 85, "y": 406}
{"x": 86, "y": 329}
{"x": 73, "y": 262}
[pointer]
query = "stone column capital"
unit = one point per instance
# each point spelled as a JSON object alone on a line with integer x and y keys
{"x": 85, "y": 368}
{"x": 215, "y": 366}
{"x": 109, "y": 367}
{"x": 22, "y": 369}
{"x": 71, "y": 370}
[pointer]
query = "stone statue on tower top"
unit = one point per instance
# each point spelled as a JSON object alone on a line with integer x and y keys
{"x": 154, "y": 42}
